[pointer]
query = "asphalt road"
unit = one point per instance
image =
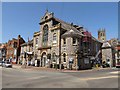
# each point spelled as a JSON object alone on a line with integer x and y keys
{"x": 21, "y": 78}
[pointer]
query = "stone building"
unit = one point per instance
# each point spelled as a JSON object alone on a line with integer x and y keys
{"x": 26, "y": 55}
{"x": 108, "y": 48}
{"x": 108, "y": 54}
{"x": 13, "y": 49}
{"x": 36, "y": 39}
{"x": 64, "y": 45}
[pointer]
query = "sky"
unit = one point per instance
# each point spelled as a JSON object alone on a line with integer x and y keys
{"x": 23, "y": 17}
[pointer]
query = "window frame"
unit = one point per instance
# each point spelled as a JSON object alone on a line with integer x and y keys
{"x": 74, "y": 41}
{"x": 54, "y": 38}
{"x": 45, "y": 33}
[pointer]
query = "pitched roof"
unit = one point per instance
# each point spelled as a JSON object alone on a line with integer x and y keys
{"x": 68, "y": 27}
{"x": 106, "y": 44}
{"x": 72, "y": 33}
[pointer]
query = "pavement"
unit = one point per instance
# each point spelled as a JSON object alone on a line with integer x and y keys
{"x": 17, "y": 66}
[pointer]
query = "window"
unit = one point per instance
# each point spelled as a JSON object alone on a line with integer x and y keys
{"x": 45, "y": 33}
{"x": 64, "y": 41}
{"x": 74, "y": 40}
{"x": 64, "y": 57}
{"x": 15, "y": 45}
{"x": 46, "y": 17}
{"x": 36, "y": 40}
{"x": 54, "y": 37}
{"x": 54, "y": 57}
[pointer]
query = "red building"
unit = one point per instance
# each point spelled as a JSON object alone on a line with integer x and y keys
{"x": 14, "y": 48}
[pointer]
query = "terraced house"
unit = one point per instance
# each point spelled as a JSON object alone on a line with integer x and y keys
{"x": 59, "y": 44}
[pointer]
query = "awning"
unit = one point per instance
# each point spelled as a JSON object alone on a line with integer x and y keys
{"x": 29, "y": 53}
{"x": 92, "y": 58}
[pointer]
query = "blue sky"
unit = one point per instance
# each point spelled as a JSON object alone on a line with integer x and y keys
{"x": 23, "y": 18}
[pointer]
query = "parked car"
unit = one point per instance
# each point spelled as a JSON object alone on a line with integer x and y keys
{"x": 8, "y": 64}
{"x": 3, "y": 63}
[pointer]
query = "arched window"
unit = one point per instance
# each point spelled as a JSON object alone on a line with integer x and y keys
{"x": 54, "y": 38}
{"x": 36, "y": 40}
{"x": 45, "y": 33}
{"x": 74, "y": 40}
{"x": 64, "y": 57}
{"x": 46, "y": 17}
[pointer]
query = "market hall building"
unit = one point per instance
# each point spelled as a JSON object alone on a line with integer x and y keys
{"x": 63, "y": 45}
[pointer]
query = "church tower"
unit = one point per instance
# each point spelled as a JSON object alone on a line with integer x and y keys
{"x": 102, "y": 35}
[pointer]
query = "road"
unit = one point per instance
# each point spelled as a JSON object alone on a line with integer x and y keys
{"x": 21, "y": 78}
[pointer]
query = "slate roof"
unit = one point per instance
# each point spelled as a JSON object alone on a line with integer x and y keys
{"x": 72, "y": 33}
{"x": 68, "y": 27}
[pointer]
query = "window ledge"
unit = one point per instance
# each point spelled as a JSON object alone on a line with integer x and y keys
{"x": 54, "y": 42}
{"x": 64, "y": 62}
{"x": 64, "y": 45}
{"x": 74, "y": 44}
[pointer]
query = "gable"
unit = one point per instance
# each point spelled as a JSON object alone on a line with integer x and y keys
{"x": 106, "y": 44}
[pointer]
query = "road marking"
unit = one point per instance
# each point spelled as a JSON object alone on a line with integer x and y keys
{"x": 115, "y": 72}
{"x": 32, "y": 78}
{"x": 97, "y": 78}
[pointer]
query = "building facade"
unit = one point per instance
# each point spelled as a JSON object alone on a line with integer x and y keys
{"x": 36, "y": 39}
{"x": 26, "y": 56}
{"x": 64, "y": 45}
{"x": 13, "y": 49}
